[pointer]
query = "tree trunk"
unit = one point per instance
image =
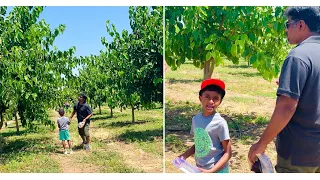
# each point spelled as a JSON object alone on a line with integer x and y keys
{"x": 208, "y": 69}
{"x": 120, "y": 108}
{"x": 99, "y": 108}
{"x": 1, "y": 121}
{"x": 21, "y": 115}
{"x": 111, "y": 112}
{"x": 132, "y": 110}
{"x": 17, "y": 123}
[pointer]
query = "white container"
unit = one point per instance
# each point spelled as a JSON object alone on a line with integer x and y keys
{"x": 184, "y": 166}
{"x": 266, "y": 165}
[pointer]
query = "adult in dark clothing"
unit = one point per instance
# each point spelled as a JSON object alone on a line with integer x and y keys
{"x": 84, "y": 113}
{"x": 296, "y": 117}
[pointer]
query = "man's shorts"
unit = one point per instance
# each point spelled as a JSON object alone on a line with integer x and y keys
{"x": 84, "y": 131}
{"x": 285, "y": 166}
{"x": 64, "y": 135}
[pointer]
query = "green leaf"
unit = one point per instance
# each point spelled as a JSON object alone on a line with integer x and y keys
{"x": 244, "y": 37}
{"x": 192, "y": 45}
{"x": 234, "y": 50}
{"x": 34, "y": 95}
{"x": 207, "y": 40}
{"x": 208, "y": 55}
{"x": 276, "y": 26}
{"x": 26, "y": 78}
{"x": 209, "y": 46}
{"x": 253, "y": 59}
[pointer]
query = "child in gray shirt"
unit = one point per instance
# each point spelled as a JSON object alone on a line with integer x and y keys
{"x": 64, "y": 134}
{"x": 212, "y": 147}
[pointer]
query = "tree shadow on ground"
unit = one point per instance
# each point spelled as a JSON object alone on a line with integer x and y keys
{"x": 183, "y": 81}
{"x": 178, "y": 116}
{"x": 127, "y": 123}
{"x": 97, "y": 117}
{"x": 13, "y": 148}
{"x": 13, "y": 133}
{"x": 246, "y": 74}
{"x": 238, "y": 66}
{"x": 140, "y": 136}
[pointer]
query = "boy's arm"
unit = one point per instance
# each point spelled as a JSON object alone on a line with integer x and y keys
{"x": 58, "y": 124}
{"x": 72, "y": 114}
{"x": 223, "y": 160}
{"x": 188, "y": 153}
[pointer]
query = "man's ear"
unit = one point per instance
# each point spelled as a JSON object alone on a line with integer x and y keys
{"x": 302, "y": 25}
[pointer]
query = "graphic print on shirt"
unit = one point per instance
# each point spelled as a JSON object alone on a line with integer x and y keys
{"x": 203, "y": 142}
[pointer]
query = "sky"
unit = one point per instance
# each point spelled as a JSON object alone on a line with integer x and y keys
{"x": 85, "y": 25}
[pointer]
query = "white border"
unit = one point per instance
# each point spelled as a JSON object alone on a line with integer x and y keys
{"x": 159, "y": 3}
{"x": 158, "y": 176}
{"x": 164, "y": 93}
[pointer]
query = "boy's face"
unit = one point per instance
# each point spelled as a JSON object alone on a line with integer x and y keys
{"x": 210, "y": 100}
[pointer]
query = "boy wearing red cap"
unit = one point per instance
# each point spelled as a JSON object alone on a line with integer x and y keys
{"x": 212, "y": 146}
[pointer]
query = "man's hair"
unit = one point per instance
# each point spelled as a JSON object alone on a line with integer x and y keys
{"x": 61, "y": 111}
{"x": 215, "y": 88}
{"x": 310, "y": 15}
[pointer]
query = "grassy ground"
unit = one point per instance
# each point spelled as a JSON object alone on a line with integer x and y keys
{"x": 247, "y": 107}
{"x": 117, "y": 146}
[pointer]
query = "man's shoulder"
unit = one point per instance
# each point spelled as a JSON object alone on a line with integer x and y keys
{"x": 86, "y": 105}
{"x": 300, "y": 53}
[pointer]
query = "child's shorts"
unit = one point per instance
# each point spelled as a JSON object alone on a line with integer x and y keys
{"x": 64, "y": 135}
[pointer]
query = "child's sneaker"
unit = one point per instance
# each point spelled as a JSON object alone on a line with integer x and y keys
{"x": 70, "y": 151}
{"x": 65, "y": 152}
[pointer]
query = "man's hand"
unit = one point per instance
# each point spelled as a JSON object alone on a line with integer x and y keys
{"x": 255, "y": 149}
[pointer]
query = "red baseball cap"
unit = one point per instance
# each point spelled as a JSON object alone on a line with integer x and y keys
{"x": 216, "y": 82}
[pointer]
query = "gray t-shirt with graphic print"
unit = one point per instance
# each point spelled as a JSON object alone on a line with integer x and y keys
{"x": 63, "y": 122}
{"x": 209, "y": 132}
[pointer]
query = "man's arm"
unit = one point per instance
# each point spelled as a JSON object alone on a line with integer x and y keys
{"x": 85, "y": 119}
{"x": 283, "y": 112}
{"x": 188, "y": 153}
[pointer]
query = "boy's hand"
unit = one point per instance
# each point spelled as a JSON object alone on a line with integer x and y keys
{"x": 181, "y": 156}
{"x": 205, "y": 170}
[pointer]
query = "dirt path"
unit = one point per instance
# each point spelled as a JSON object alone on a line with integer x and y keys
{"x": 69, "y": 162}
{"x": 137, "y": 158}
{"x": 134, "y": 156}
